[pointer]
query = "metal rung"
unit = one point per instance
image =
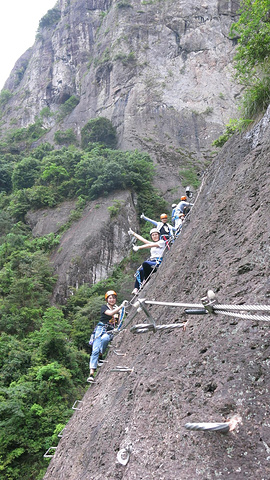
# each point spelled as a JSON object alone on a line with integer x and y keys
{"x": 77, "y": 401}
{"x": 119, "y": 368}
{"x": 119, "y": 353}
{"x": 60, "y": 434}
{"x": 46, "y": 455}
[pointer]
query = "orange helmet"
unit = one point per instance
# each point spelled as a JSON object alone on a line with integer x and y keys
{"x": 184, "y": 197}
{"x": 110, "y": 292}
{"x": 164, "y": 215}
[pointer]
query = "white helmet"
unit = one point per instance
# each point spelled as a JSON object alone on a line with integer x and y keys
{"x": 154, "y": 230}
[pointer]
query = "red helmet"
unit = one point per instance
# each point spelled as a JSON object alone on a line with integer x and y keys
{"x": 110, "y": 292}
{"x": 184, "y": 197}
{"x": 163, "y": 215}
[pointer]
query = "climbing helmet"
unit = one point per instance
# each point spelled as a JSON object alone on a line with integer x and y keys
{"x": 110, "y": 292}
{"x": 154, "y": 230}
{"x": 163, "y": 215}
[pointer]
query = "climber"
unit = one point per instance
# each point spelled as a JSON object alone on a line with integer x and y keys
{"x": 157, "y": 246}
{"x": 166, "y": 230}
{"x": 173, "y": 213}
{"x": 182, "y": 207}
{"x": 179, "y": 220}
{"x": 109, "y": 315}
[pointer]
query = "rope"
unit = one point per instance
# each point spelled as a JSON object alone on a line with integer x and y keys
{"x": 172, "y": 304}
{"x": 149, "y": 327}
{"x": 263, "y": 318}
{"x": 210, "y": 427}
{"x": 215, "y": 427}
{"x": 263, "y": 308}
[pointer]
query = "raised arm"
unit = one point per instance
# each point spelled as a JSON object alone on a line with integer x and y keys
{"x": 149, "y": 220}
{"x": 139, "y": 237}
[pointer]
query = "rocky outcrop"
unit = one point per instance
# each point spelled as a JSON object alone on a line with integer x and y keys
{"x": 161, "y": 71}
{"x": 217, "y": 368}
{"x": 92, "y": 245}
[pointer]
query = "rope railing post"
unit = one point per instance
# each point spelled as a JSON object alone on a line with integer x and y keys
{"x": 209, "y": 301}
{"x": 147, "y": 313}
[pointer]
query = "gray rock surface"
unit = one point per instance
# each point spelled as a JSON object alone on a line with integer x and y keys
{"x": 92, "y": 246}
{"x": 160, "y": 70}
{"x": 217, "y": 368}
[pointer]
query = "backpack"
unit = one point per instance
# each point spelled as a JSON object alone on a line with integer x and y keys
{"x": 186, "y": 210}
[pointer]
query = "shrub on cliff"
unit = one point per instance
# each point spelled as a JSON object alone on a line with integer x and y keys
{"x": 99, "y": 130}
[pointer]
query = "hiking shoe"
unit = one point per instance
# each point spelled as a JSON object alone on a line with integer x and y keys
{"x": 135, "y": 291}
{"x": 91, "y": 379}
{"x": 100, "y": 363}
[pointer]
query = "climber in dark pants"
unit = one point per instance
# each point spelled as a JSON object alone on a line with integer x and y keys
{"x": 157, "y": 247}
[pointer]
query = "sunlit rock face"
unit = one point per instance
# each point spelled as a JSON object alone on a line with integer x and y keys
{"x": 160, "y": 70}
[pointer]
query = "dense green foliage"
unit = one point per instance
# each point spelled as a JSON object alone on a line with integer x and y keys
{"x": 45, "y": 180}
{"x": 66, "y": 137}
{"x": 51, "y": 18}
{"x": 99, "y": 130}
{"x": 44, "y": 350}
{"x": 252, "y": 64}
{"x": 67, "y": 107}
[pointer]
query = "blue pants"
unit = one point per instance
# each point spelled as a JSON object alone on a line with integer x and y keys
{"x": 99, "y": 345}
{"x": 145, "y": 271}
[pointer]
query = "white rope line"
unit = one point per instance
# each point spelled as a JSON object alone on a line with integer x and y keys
{"x": 263, "y": 318}
{"x": 173, "y": 304}
{"x": 264, "y": 308}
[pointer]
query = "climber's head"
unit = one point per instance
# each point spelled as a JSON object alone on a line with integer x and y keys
{"x": 164, "y": 217}
{"x": 183, "y": 198}
{"x": 155, "y": 234}
{"x": 111, "y": 295}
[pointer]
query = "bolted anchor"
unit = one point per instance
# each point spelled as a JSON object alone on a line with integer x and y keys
{"x": 209, "y": 301}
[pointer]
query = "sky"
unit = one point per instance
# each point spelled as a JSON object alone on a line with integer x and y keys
{"x": 19, "y": 21}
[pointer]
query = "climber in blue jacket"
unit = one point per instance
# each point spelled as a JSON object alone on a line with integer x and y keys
{"x": 165, "y": 229}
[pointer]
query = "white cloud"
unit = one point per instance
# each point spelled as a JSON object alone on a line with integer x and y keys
{"x": 18, "y": 26}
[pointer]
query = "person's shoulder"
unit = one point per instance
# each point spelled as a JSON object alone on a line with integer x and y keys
{"x": 161, "y": 243}
{"x": 104, "y": 308}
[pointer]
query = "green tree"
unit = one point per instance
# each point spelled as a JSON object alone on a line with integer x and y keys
{"x": 25, "y": 173}
{"x": 54, "y": 174}
{"x": 99, "y": 130}
{"x": 67, "y": 137}
{"x": 252, "y": 31}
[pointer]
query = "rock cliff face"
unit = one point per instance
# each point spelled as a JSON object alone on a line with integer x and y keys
{"x": 160, "y": 70}
{"x": 217, "y": 368}
{"x": 92, "y": 246}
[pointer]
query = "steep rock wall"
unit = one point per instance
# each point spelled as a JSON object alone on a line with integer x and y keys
{"x": 92, "y": 246}
{"x": 218, "y": 368}
{"x": 160, "y": 70}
